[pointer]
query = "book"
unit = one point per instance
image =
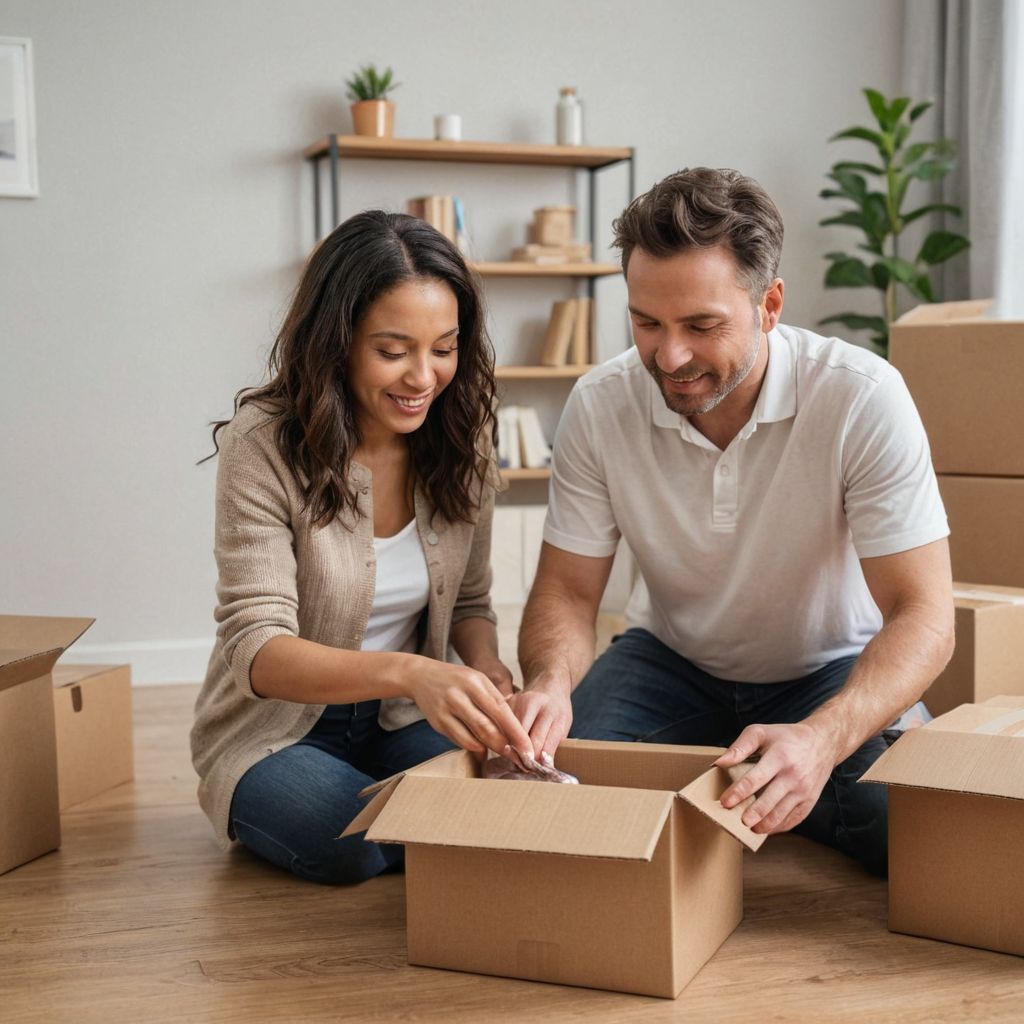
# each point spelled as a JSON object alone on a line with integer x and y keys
{"x": 579, "y": 350}
{"x": 461, "y": 234}
{"x": 536, "y": 452}
{"x": 558, "y": 336}
{"x": 509, "y": 451}
{"x": 437, "y": 211}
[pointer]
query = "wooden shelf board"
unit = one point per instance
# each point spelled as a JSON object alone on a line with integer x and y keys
{"x": 541, "y": 372}
{"x": 519, "y": 268}
{"x": 370, "y": 148}
{"x": 511, "y": 475}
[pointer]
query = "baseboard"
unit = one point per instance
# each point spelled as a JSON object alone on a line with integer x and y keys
{"x": 168, "y": 661}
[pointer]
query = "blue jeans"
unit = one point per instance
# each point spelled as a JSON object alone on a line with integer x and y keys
{"x": 641, "y": 690}
{"x": 291, "y": 807}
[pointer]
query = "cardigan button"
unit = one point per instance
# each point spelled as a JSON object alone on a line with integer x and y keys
{"x": 432, "y": 537}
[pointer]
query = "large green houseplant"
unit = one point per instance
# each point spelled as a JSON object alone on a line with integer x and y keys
{"x": 875, "y": 194}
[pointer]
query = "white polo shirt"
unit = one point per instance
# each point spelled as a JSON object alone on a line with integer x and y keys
{"x": 749, "y": 557}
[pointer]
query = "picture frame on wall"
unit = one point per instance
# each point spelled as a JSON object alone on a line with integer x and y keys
{"x": 18, "y": 170}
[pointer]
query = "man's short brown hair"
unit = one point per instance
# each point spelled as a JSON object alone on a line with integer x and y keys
{"x": 701, "y": 207}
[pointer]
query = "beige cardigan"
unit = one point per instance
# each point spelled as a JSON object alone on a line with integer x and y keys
{"x": 278, "y": 575}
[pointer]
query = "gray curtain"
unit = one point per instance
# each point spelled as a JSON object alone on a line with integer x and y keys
{"x": 953, "y": 54}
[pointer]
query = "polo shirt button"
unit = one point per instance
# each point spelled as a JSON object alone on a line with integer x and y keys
{"x": 724, "y": 471}
{"x": 432, "y": 538}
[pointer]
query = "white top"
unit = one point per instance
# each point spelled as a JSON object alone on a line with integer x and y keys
{"x": 402, "y": 592}
{"x": 749, "y": 557}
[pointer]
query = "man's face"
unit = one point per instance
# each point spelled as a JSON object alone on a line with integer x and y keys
{"x": 694, "y": 324}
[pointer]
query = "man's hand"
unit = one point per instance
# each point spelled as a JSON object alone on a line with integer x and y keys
{"x": 545, "y": 711}
{"x": 795, "y": 763}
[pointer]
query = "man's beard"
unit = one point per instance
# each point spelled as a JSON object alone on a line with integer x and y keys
{"x": 697, "y": 405}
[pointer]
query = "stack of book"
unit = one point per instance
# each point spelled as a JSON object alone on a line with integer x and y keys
{"x": 442, "y": 212}
{"x": 551, "y": 238}
{"x": 567, "y": 339}
{"x": 573, "y": 252}
{"x": 521, "y": 442}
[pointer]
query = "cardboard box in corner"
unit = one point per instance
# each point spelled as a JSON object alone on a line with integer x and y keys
{"x": 29, "y": 812}
{"x": 989, "y": 655}
{"x": 956, "y": 826}
{"x": 629, "y": 881}
{"x": 93, "y": 709}
{"x": 963, "y": 370}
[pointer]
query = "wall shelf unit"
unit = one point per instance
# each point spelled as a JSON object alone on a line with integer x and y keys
{"x": 591, "y": 160}
{"x": 569, "y": 372}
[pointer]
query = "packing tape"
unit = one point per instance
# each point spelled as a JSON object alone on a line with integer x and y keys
{"x": 967, "y": 594}
{"x": 1010, "y": 724}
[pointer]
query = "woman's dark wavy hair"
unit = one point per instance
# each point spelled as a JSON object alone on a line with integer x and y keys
{"x": 309, "y": 389}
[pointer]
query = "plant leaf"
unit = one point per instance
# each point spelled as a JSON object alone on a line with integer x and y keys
{"x": 851, "y": 218}
{"x": 921, "y": 287}
{"x": 876, "y": 101}
{"x": 880, "y": 275}
{"x": 897, "y": 107}
{"x": 932, "y": 170}
{"x": 849, "y": 272}
{"x": 909, "y": 218}
{"x": 902, "y": 270}
{"x": 940, "y": 246}
{"x": 920, "y": 109}
{"x": 857, "y": 322}
{"x": 860, "y": 133}
{"x": 852, "y": 165}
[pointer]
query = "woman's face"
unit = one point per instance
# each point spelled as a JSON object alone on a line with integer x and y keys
{"x": 404, "y": 354}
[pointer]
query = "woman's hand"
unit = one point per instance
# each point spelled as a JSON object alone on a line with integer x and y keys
{"x": 466, "y": 704}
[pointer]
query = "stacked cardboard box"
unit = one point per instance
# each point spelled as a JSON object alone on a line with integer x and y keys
{"x": 29, "y": 809}
{"x": 65, "y": 733}
{"x": 93, "y": 712}
{"x": 964, "y": 372}
{"x": 989, "y": 656}
{"x": 641, "y": 861}
{"x": 956, "y": 826}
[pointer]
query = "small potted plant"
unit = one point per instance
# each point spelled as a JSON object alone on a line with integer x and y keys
{"x": 372, "y": 112}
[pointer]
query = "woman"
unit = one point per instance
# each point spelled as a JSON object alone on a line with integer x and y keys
{"x": 354, "y": 499}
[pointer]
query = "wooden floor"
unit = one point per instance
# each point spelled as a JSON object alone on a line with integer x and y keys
{"x": 140, "y": 918}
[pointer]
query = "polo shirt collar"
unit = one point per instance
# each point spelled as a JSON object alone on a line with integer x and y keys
{"x": 776, "y": 401}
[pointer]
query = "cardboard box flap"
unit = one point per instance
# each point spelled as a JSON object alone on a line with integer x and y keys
{"x": 1004, "y": 701}
{"x": 536, "y": 817}
{"x": 31, "y": 644}
{"x": 456, "y": 764}
{"x": 984, "y": 764}
{"x": 368, "y": 815}
{"x": 705, "y": 793}
{"x": 452, "y": 764}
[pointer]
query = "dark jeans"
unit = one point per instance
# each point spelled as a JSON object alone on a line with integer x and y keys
{"x": 291, "y": 807}
{"x": 641, "y": 690}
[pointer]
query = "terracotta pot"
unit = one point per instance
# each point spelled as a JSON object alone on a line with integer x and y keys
{"x": 374, "y": 117}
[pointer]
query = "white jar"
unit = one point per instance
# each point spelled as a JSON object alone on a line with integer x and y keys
{"x": 568, "y": 119}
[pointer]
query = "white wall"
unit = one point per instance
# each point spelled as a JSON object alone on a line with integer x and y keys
{"x": 143, "y": 287}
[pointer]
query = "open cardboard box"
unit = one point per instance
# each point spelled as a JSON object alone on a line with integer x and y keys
{"x": 93, "y": 710}
{"x": 989, "y": 655}
{"x": 629, "y": 881}
{"x": 956, "y": 826}
{"x": 29, "y": 814}
{"x": 972, "y": 418}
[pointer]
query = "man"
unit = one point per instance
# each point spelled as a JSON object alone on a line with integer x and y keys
{"x": 776, "y": 490}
